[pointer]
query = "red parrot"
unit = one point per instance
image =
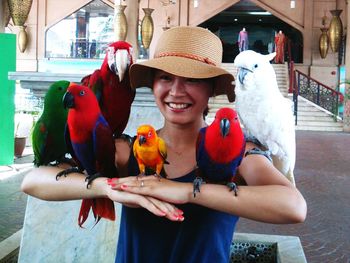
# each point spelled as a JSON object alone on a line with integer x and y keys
{"x": 149, "y": 150}
{"x": 111, "y": 85}
{"x": 92, "y": 145}
{"x": 220, "y": 149}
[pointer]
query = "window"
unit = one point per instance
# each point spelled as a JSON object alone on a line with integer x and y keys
{"x": 83, "y": 34}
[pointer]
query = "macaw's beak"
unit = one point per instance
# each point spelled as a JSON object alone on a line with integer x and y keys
{"x": 142, "y": 140}
{"x": 242, "y": 73}
{"x": 224, "y": 127}
{"x": 68, "y": 100}
{"x": 121, "y": 63}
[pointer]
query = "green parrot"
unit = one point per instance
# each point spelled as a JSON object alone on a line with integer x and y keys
{"x": 48, "y": 136}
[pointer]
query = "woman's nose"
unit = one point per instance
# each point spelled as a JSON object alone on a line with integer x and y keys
{"x": 177, "y": 88}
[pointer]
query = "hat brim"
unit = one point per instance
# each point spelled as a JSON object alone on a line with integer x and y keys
{"x": 141, "y": 74}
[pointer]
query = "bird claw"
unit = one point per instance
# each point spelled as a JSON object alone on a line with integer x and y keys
{"x": 233, "y": 187}
{"x": 90, "y": 178}
{"x": 197, "y": 182}
{"x": 158, "y": 176}
{"x": 68, "y": 171}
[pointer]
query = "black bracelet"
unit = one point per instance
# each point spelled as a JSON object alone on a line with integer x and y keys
{"x": 257, "y": 150}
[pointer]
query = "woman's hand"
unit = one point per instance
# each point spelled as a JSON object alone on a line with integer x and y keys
{"x": 155, "y": 206}
{"x": 162, "y": 189}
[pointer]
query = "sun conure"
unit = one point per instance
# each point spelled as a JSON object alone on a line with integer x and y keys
{"x": 149, "y": 150}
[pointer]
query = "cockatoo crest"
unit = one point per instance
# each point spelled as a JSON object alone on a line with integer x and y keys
{"x": 256, "y": 68}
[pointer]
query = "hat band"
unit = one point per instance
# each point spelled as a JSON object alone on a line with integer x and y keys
{"x": 185, "y": 55}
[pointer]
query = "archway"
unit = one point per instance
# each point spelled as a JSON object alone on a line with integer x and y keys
{"x": 261, "y": 27}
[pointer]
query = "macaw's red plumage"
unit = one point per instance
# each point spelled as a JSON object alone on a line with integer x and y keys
{"x": 92, "y": 145}
{"x": 220, "y": 149}
{"x": 149, "y": 150}
{"x": 111, "y": 85}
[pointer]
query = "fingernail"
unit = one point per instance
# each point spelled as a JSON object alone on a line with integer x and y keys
{"x": 181, "y": 218}
{"x": 124, "y": 186}
{"x": 180, "y": 212}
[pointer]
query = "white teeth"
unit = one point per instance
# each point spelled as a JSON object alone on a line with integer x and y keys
{"x": 178, "y": 106}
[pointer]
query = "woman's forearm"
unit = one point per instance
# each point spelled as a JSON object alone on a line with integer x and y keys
{"x": 41, "y": 183}
{"x": 269, "y": 203}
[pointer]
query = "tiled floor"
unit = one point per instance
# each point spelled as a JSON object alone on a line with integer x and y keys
{"x": 323, "y": 177}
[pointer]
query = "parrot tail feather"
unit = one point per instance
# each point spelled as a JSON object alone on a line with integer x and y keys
{"x": 101, "y": 207}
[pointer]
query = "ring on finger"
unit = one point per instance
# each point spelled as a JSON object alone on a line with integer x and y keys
{"x": 142, "y": 183}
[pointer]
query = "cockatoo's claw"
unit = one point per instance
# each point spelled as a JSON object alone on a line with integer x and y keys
{"x": 89, "y": 179}
{"x": 233, "y": 187}
{"x": 197, "y": 182}
{"x": 68, "y": 171}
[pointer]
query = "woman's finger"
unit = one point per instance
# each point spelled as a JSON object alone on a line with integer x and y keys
{"x": 170, "y": 210}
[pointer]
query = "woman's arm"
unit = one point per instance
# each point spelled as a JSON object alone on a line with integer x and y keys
{"x": 269, "y": 196}
{"x": 41, "y": 183}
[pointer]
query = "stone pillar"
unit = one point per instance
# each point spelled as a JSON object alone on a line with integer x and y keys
{"x": 183, "y": 12}
{"x": 346, "y": 117}
{"x": 132, "y": 16}
{"x": 307, "y": 33}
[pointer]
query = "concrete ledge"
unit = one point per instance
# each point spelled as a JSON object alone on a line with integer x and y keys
{"x": 288, "y": 248}
{"x": 10, "y": 246}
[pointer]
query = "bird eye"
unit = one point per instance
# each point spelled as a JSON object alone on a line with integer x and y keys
{"x": 149, "y": 134}
{"x": 82, "y": 93}
{"x": 256, "y": 65}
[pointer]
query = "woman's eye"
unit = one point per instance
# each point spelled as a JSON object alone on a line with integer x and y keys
{"x": 165, "y": 77}
{"x": 193, "y": 80}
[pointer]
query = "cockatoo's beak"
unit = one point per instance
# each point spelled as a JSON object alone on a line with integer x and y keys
{"x": 241, "y": 74}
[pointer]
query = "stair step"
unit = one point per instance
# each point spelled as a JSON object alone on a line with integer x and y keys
{"x": 318, "y": 128}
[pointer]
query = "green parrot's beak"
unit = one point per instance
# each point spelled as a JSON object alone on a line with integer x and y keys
{"x": 68, "y": 100}
{"x": 224, "y": 127}
{"x": 142, "y": 140}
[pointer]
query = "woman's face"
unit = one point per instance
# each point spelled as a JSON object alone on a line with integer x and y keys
{"x": 181, "y": 100}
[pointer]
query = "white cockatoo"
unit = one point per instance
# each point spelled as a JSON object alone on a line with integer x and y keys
{"x": 264, "y": 112}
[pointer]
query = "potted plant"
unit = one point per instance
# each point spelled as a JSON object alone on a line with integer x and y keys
{"x": 23, "y": 125}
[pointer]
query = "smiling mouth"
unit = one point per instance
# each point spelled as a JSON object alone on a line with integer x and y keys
{"x": 178, "y": 106}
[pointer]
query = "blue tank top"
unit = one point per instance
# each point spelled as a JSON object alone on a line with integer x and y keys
{"x": 204, "y": 236}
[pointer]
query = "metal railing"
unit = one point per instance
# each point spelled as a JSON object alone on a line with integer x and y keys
{"x": 314, "y": 91}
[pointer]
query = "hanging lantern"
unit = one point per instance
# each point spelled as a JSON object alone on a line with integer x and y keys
{"x": 19, "y": 11}
{"x": 120, "y": 23}
{"x": 335, "y": 30}
{"x": 323, "y": 43}
{"x": 6, "y": 13}
{"x": 22, "y": 38}
{"x": 147, "y": 27}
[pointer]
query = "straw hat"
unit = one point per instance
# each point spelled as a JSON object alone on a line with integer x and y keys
{"x": 190, "y": 52}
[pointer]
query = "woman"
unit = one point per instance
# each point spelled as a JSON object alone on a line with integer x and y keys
{"x": 180, "y": 228}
